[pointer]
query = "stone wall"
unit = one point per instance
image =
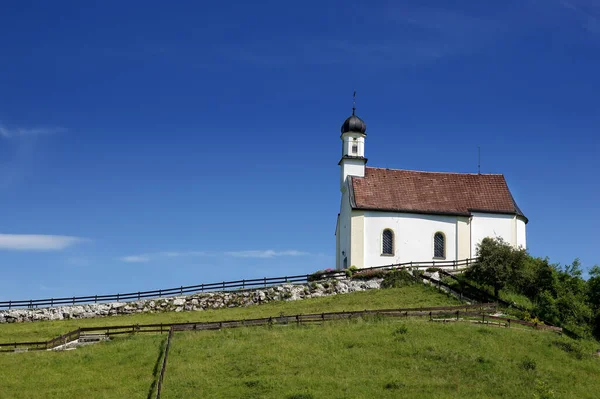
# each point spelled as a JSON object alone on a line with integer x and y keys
{"x": 195, "y": 302}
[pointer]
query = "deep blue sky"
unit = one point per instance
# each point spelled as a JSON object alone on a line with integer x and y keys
{"x": 152, "y": 145}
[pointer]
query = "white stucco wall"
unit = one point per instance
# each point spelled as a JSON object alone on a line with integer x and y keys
{"x": 521, "y": 233}
{"x": 349, "y": 139}
{"x": 413, "y": 236}
{"x": 491, "y": 225}
{"x": 351, "y": 167}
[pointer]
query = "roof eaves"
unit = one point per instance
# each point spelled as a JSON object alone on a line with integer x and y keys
{"x": 418, "y": 212}
{"x": 517, "y": 209}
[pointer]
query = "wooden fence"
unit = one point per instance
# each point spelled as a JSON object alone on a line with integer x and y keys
{"x": 221, "y": 286}
{"x": 459, "y": 310}
{"x": 163, "y": 368}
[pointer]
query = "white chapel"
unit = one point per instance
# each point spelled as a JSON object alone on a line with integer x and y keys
{"x": 391, "y": 216}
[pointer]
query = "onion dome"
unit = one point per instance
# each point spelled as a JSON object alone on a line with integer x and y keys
{"x": 354, "y": 124}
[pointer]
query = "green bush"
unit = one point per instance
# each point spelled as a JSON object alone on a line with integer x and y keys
{"x": 397, "y": 279}
{"x": 369, "y": 274}
{"x": 320, "y": 274}
{"x": 351, "y": 270}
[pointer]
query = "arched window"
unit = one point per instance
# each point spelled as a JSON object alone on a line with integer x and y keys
{"x": 439, "y": 245}
{"x": 387, "y": 242}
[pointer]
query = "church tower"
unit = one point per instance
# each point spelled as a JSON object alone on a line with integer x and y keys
{"x": 354, "y": 132}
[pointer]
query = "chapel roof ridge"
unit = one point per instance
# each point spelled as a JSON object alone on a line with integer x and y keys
{"x": 438, "y": 172}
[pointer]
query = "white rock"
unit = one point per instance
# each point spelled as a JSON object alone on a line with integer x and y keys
{"x": 179, "y": 301}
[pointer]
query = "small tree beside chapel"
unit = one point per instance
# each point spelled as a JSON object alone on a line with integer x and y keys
{"x": 498, "y": 264}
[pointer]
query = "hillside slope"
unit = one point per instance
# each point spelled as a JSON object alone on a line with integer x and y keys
{"x": 380, "y": 359}
{"x": 347, "y": 359}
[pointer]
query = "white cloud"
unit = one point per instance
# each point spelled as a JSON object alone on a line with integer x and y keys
{"x": 269, "y": 253}
{"x": 37, "y": 242}
{"x": 7, "y": 133}
{"x": 135, "y": 258}
{"x": 144, "y": 258}
{"x": 263, "y": 254}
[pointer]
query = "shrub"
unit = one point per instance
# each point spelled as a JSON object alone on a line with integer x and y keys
{"x": 397, "y": 279}
{"x": 320, "y": 274}
{"x": 433, "y": 269}
{"x": 369, "y": 274}
{"x": 351, "y": 271}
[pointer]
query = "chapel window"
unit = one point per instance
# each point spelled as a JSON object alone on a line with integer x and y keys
{"x": 439, "y": 245}
{"x": 354, "y": 148}
{"x": 387, "y": 241}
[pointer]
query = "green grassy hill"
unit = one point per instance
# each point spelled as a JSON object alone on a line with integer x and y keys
{"x": 347, "y": 359}
{"x": 380, "y": 359}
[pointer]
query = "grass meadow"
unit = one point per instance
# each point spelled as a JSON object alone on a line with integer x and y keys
{"x": 361, "y": 358}
{"x": 380, "y": 359}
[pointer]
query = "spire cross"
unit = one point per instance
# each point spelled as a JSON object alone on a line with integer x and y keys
{"x": 354, "y": 103}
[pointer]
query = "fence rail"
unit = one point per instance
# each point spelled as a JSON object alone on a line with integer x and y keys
{"x": 211, "y": 287}
{"x": 465, "y": 310}
{"x": 161, "y": 375}
{"x": 476, "y": 310}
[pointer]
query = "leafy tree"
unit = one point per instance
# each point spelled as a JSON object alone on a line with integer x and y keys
{"x": 498, "y": 263}
{"x": 593, "y": 288}
{"x": 559, "y": 295}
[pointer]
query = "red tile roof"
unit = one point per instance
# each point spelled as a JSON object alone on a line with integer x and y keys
{"x": 431, "y": 192}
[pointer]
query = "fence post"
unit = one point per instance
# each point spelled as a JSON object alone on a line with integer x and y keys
{"x": 265, "y": 281}
{"x": 73, "y": 300}
{"x": 223, "y": 285}
{"x": 508, "y": 325}
{"x": 430, "y": 316}
{"x": 243, "y": 284}
{"x": 96, "y": 298}
{"x": 139, "y": 297}
{"x": 159, "y": 293}
{"x": 9, "y": 304}
{"x": 118, "y": 297}
{"x": 51, "y": 302}
{"x": 457, "y": 315}
{"x": 181, "y": 290}
{"x": 202, "y": 287}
